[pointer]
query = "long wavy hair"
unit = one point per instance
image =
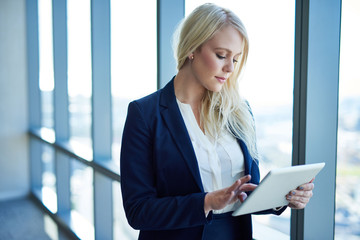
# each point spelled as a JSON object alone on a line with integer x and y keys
{"x": 224, "y": 109}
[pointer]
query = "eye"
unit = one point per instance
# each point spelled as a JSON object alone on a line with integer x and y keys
{"x": 219, "y": 56}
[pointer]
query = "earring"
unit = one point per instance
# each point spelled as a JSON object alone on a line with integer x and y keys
{"x": 191, "y": 57}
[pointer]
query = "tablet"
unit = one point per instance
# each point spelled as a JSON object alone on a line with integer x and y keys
{"x": 276, "y": 185}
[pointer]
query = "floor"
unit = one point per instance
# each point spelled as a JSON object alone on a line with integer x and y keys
{"x": 23, "y": 219}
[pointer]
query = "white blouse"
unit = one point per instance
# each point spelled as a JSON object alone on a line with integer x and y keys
{"x": 221, "y": 161}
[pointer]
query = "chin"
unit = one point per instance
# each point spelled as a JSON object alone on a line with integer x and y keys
{"x": 216, "y": 88}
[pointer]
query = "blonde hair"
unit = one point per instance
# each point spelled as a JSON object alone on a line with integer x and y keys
{"x": 224, "y": 109}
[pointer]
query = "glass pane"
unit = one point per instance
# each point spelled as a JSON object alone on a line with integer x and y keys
{"x": 133, "y": 59}
{"x": 46, "y": 84}
{"x": 46, "y": 67}
{"x": 347, "y": 215}
{"x": 82, "y": 201}
{"x": 79, "y": 70}
{"x": 122, "y": 230}
{"x": 49, "y": 197}
{"x": 268, "y": 86}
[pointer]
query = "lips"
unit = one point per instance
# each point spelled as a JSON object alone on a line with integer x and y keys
{"x": 221, "y": 79}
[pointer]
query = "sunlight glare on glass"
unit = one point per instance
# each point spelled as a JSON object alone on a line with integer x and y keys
{"x": 133, "y": 48}
{"x": 49, "y": 198}
{"x": 51, "y": 228}
{"x": 349, "y": 59}
{"x": 46, "y": 69}
{"x": 79, "y": 48}
{"x": 347, "y": 215}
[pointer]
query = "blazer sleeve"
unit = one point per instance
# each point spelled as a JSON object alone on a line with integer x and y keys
{"x": 144, "y": 209}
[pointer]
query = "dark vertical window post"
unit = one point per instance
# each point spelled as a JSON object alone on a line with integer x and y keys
{"x": 169, "y": 14}
{"x": 34, "y": 90}
{"x": 317, "y": 48}
{"x": 61, "y": 112}
{"x": 101, "y": 115}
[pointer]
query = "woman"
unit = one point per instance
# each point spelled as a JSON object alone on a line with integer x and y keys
{"x": 188, "y": 152}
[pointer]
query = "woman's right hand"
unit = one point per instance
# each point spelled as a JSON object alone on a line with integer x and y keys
{"x": 219, "y": 199}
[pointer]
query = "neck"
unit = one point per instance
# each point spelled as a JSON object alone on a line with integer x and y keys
{"x": 187, "y": 88}
{"x": 189, "y": 91}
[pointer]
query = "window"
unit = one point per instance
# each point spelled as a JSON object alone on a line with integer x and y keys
{"x": 79, "y": 72}
{"x": 82, "y": 203}
{"x": 133, "y": 75}
{"x": 49, "y": 197}
{"x": 133, "y": 59}
{"x": 46, "y": 66}
{"x": 46, "y": 84}
{"x": 347, "y": 216}
{"x": 69, "y": 175}
{"x": 268, "y": 86}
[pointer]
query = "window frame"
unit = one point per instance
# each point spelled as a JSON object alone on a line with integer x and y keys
{"x": 316, "y": 84}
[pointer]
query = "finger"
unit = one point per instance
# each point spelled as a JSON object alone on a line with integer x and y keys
{"x": 242, "y": 196}
{"x": 238, "y": 183}
{"x": 297, "y": 199}
{"x": 245, "y": 179}
{"x": 234, "y": 187}
{"x": 248, "y": 187}
{"x": 302, "y": 193}
{"x": 306, "y": 187}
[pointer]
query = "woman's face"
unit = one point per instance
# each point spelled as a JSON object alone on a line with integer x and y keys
{"x": 214, "y": 61}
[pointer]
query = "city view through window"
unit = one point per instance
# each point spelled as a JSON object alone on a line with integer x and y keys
{"x": 347, "y": 216}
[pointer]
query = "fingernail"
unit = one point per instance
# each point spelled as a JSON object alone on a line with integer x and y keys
{"x": 293, "y": 192}
{"x": 288, "y": 197}
{"x": 301, "y": 188}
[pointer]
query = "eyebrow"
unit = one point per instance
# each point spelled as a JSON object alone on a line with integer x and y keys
{"x": 228, "y": 50}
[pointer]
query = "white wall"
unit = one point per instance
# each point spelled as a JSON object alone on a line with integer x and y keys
{"x": 14, "y": 160}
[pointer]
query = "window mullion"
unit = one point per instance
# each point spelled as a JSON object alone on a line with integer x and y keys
{"x": 101, "y": 115}
{"x": 34, "y": 90}
{"x": 169, "y": 14}
{"x": 315, "y": 111}
{"x": 61, "y": 114}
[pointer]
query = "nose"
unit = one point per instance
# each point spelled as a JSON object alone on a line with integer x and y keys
{"x": 229, "y": 66}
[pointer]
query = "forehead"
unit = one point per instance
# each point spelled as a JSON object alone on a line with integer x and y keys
{"x": 227, "y": 38}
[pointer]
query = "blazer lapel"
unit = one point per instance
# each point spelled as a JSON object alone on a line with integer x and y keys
{"x": 247, "y": 157}
{"x": 175, "y": 123}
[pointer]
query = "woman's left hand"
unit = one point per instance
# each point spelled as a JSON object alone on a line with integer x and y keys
{"x": 299, "y": 197}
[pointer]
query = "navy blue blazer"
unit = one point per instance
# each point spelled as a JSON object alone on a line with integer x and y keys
{"x": 161, "y": 185}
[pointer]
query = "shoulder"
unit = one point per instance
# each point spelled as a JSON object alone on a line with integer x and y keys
{"x": 162, "y": 97}
{"x": 145, "y": 106}
{"x": 148, "y": 100}
{"x": 152, "y": 104}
